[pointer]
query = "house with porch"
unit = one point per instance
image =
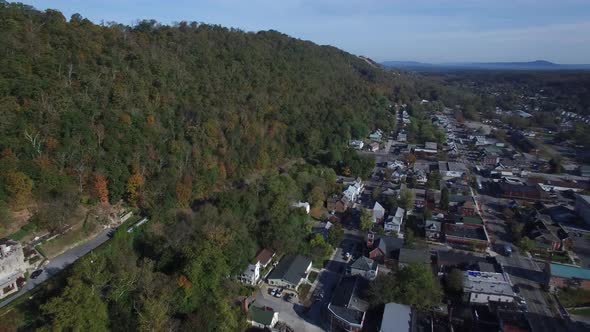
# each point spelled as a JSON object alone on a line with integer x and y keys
{"x": 378, "y": 213}
{"x": 364, "y": 267}
{"x": 291, "y": 272}
{"x": 394, "y": 222}
{"x": 384, "y": 249}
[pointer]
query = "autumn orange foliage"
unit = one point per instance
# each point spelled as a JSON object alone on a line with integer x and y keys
{"x": 134, "y": 185}
{"x": 101, "y": 188}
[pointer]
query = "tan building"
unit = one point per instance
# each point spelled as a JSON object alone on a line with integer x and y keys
{"x": 12, "y": 267}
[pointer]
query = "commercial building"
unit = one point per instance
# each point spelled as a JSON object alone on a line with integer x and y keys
{"x": 485, "y": 287}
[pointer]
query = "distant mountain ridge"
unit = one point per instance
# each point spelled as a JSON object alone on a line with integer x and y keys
{"x": 531, "y": 65}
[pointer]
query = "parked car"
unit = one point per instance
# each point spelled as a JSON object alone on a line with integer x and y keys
{"x": 278, "y": 293}
{"x": 289, "y": 297}
{"x": 508, "y": 250}
{"x": 36, "y": 273}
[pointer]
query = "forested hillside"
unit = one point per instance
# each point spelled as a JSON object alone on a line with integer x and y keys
{"x": 171, "y": 120}
{"x": 165, "y": 118}
{"x": 149, "y": 108}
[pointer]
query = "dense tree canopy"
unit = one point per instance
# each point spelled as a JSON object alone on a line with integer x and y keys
{"x": 154, "y": 114}
{"x": 188, "y": 123}
{"x": 414, "y": 284}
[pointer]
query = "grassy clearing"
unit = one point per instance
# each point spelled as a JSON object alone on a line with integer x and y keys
{"x": 556, "y": 257}
{"x": 23, "y": 232}
{"x": 303, "y": 291}
{"x": 571, "y": 298}
{"x": 580, "y": 312}
{"x": 76, "y": 235}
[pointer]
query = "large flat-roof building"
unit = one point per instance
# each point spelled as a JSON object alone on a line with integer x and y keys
{"x": 485, "y": 287}
{"x": 396, "y": 318}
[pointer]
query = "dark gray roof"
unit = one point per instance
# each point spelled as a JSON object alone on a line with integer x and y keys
{"x": 407, "y": 256}
{"x": 291, "y": 268}
{"x": 387, "y": 244}
{"x": 455, "y": 258}
{"x": 458, "y": 198}
{"x": 364, "y": 264}
{"x": 349, "y": 300}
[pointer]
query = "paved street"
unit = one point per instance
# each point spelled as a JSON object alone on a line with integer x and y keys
{"x": 59, "y": 263}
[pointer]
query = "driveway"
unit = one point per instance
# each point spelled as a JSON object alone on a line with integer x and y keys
{"x": 57, "y": 264}
{"x": 293, "y": 314}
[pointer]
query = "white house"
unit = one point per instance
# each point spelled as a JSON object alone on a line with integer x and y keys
{"x": 394, "y": 223}
{"x": 251, "y": 275}
{"x": 395, "y": 164}
{"x": 356, "y": 144}
{"x": 350, "y": 193}
{"x": 378, "y": 212}
{"x": 354, "y": 190}
{"x": 303, "y": 205}
{"x": 421, "y": 178}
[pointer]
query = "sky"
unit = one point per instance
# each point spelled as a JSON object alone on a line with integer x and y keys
{"x": 434, "y": 31}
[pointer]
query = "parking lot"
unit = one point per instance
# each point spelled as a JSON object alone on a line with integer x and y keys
{"x": 292, "y": 313}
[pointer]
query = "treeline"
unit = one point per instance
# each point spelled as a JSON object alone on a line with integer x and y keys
{"x": 162, "y": 115}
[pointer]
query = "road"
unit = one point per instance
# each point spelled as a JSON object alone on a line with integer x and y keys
{"x": 57, "y": 264}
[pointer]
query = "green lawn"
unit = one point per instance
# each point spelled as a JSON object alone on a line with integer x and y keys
{"x": 580, "y": 312}
{"x": 571, "y": 298}
{"x": 557, "y": 257}
{"x": 63, "y": 242}
{"x": 303, "y": 291}
{"x": 312, "y": 276}
{"x": 22, "y": 232}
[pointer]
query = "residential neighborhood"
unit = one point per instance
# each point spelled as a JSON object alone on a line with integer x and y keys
{"x": 471, "y": 206}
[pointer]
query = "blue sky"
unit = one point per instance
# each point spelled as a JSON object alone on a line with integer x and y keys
{"x": 420, "y": 30}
